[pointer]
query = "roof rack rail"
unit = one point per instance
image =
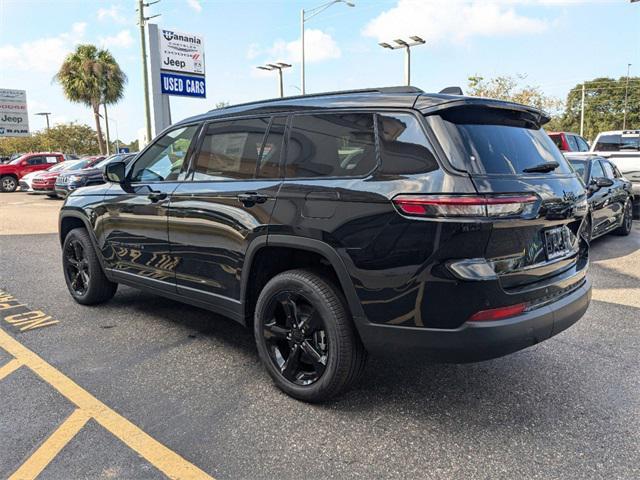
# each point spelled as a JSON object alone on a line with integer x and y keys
{"x": 399, "y": 89}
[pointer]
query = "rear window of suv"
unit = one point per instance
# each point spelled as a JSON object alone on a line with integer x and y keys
{"x": 491, "y": 141}
{"x": 617, "y": 142}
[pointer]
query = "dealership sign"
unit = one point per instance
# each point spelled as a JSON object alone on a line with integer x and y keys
{"x": 14, "y": 119}
{"x": 181, "y": 52}
{"x": 184, "y": 85}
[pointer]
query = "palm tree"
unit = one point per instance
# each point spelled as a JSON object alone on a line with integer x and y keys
{"x": 92, "y": 76}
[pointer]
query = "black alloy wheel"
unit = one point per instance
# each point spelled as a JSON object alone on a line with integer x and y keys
{"x": 305, "y": 336}
{"x": 77, "y": 267}
{"x": 296, "y": 339}
{"x": 83, "y": 273}
{"x": 627, "y": 220}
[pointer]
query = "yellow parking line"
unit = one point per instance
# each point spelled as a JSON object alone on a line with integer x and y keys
{"x": 9, "y": 367}
{"x": 164, "y": 459}
{"x": 51, "y": 446}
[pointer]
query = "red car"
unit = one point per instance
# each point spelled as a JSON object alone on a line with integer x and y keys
{"x": 12, "y": 172}
{"x": 569, "y": 142}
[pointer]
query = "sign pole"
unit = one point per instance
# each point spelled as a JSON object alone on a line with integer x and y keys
{"x": 160, "y": 110}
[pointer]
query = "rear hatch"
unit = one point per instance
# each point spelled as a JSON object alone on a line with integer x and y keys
{"x": 506, "y": 153}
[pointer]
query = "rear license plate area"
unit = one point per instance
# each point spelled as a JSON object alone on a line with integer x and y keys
{"x": 557, "y": 242}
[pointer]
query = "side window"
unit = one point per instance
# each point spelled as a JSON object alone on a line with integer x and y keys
{"x": 404, "y": 147}
{"x": 35, "y": 161}
{"x": 596, "y": 170}
{"x": 573, "y": 144}
{"x": 163, "y": 160}
{"x": 331, "y": 145}
{"x": 230, "y": 149}
{"x": 269, "y": 165}
{"x": 608, "y": 170}
{"x": 583, "y": 146}
{"x": 616, "y": 172}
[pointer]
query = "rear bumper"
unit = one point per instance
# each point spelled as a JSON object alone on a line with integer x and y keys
{"x": 480, "y": 340}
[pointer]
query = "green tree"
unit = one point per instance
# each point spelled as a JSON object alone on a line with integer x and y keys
{"x": 67, "y": 138}
{"x": 603, "y": 106}
{"x": 91, "y": 76}
{"x": 509, "y": 88}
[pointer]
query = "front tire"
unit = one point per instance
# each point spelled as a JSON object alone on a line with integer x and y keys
{"x": 8, "y": 183}
{"x": 627, "y": 220}
{"x": 83, "y": 273}
{"x": 306, "y": 338}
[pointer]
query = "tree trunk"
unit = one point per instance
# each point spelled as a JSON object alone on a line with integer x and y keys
{"x": 96, "y": 115}
{"x": 106, "y": 127}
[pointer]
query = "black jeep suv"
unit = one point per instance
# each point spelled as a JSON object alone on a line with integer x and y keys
{"x": 345, "y": 223}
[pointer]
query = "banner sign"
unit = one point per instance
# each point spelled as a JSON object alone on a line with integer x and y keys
{"x": 181, "y": 52}
{"x": 183, "y": 85}
{"x": 14, "y": 119}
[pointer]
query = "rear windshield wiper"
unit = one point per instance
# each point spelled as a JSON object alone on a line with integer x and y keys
{"x": 542, "y": 167}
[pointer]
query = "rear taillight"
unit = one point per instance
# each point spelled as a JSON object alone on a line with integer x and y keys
{"x": 498, "y": 313}
{"x": 465, "y": 205}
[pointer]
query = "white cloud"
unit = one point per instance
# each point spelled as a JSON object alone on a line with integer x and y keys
{"x": 455, "y": 20}
{"x": 122, "y": 39}
{"x": 113, "y": 13}
{"x": 44, "y": 55}
{"x": 319, "y": 46}
{"x": 195, "y": 5}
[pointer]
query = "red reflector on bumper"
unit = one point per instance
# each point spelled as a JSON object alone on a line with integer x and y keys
{"x": 498, "y": 313}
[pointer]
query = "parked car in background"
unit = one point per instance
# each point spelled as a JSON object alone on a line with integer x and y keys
{"x": 622, "y": 148}
{"x": 12, "y": 172}
{"x": 89, "y": 175}
{"x": 26, "y": 181}
{"x": 44, "y": 182}
{"x": 608, "y": 194}
{"x": 569, "y": 142}
{"x": 337, "y": 224}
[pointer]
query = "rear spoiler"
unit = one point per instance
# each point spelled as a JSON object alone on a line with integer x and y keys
{"x": 428, "y": 106}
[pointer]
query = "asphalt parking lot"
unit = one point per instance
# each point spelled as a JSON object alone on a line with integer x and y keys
{"x": 144, "y": 387}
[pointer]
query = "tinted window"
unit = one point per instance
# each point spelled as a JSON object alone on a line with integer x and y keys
{"x": 163, "y": 160}
{"x": 580, "y": 167}
{"x": 583, "y": 146}
{"x": 617, "y": 142}
{"x": 596, "y": 170}
{"x": 573, "y": 144}
{"x": 331, "y": 145}
{"x": 35, "y": 161}
{"x": 404, "y": 146}
{"x": 608, "y": 170}
{"x": 269, "y": 164}
{"x": 231, "y": 149}
{"x": 486, "y": 142}
{"x": 557, "y": 139}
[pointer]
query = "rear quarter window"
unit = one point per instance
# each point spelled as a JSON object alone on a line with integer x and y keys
{"x": 483, "y": 141}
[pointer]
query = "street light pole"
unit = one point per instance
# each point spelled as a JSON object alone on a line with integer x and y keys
{"x": 279, "y": 66}
{"x": 145, "y": 74}
{"x": 45, "y": 114}
{"x": 626, "y": 96}
{"x": 306, "y": 15}
{"x": 400, "y": 43}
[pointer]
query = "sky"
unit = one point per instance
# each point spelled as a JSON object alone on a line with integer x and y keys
{"x": 555, "y": 43}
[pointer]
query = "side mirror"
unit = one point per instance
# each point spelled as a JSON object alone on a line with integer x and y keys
{"x": 115, "y": 172}
{"x": 604, "y": 182}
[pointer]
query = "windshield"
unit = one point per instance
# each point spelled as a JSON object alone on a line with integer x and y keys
{"x": 481, "y": 142}
{"x": 580, "y": 166}
{"x": 17, "y": 160}
{"x": 79, "y": 165}
{"x": 63, "y": 165}
{"x": 102, "y": 163}
{"x": 617, "y": 142}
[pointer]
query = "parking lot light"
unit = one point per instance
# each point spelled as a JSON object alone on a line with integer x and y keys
{"x": 277, "y": 66}
{"x": 401, "y": 43}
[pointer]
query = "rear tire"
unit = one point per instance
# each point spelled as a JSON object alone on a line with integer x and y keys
{"x": 306, "y": 338}
{"x": 627, "y": 220}
{"x": 8, "y": 183}
{"x": 83, "y": 273}
{"x": 52, "y": 195}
